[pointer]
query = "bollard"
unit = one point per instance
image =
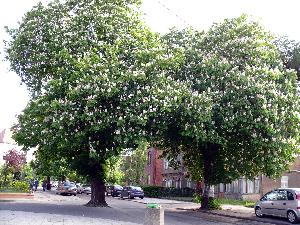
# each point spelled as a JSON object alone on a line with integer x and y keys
{"x": 154, "y": 215}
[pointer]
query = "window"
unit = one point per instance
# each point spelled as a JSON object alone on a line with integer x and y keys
{"x": 166, "y": 163}
{"x": 257, "y": 185}
{"x": 221, "y": 188}
{"x": 290, "y": 195}
{"x": 235, "y": 186}
{"x": 178, "y": 184}
{"x": 250, "y": 186}
{"x": 149, "y": 158}
{"x": 243, "y": 186}
{"x": 168, "y": 183}
{"x": 189, "y": 183}
{"x": 149, "y": 179}
{"x": 284, "y": 181}
{"x": 228, "y": 187}
{"x": 281, "y": 195}
{"x": 271, "y": 196}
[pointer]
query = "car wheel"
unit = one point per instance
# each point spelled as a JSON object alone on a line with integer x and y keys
{"x": 141, "y": 197}
{"x": 258, "y": 212}
{"x": 292, "y": 217}
{"x": 112, "y": 195}
{"x": 74, "y": 194}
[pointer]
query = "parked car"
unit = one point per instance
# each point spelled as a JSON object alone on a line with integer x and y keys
{"x": 79, "y": 188}
{"x": 132, "y": 192}
{"x": 114, "y": 190}
{"x": 67, "y": 188}
{"x": 54, "y": 184}
{"x": 282, "y": 202}
{"x": 87, "y": 189}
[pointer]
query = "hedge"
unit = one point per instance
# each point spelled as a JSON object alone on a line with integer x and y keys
{"x": 157, "y": 192}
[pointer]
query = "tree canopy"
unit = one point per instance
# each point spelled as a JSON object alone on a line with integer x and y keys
{"x": 248, "y": 119}
{"x": 94, "y": 73}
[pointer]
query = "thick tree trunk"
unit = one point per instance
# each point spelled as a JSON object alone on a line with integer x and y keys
{"x": 48, "y": 183}
{"x": 98, "y": 194}
{"x": 205, "y": 196}
{"x": 209, "y": 154}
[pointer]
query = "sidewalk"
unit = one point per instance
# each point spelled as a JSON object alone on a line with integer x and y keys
{"x": 168, "y": 204}
{"x": 231, "y": 212}
{"x": 235, "y": 212}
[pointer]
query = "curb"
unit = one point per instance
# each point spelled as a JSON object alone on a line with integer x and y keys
{"x": 15, "y": 196}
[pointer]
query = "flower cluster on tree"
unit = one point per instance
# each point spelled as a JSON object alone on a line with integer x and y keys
{"x": 14, "y": 159}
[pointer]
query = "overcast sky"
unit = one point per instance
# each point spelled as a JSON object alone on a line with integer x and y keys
{"x": 278, "y": 16}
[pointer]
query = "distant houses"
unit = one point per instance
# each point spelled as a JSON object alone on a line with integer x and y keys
{"x": 159, "y": 173}
{"x": 7, "y": 143}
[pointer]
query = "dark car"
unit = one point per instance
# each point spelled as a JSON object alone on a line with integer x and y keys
{"x": 114, "y": 190}
{"x": 132, "y": 192}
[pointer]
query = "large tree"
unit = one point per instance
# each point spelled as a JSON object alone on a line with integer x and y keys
{"x": 290, "y": 53}
{"x": 92, "y": 68}
{"x": 248, "y": 120}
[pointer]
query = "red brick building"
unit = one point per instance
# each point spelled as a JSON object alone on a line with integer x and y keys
{"x": 159, "y": 173}
{"x": 154, "y": 167}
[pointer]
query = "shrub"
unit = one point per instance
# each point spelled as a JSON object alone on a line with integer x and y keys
{"x": 20, "y": 186}
{"x": 213, "y": 203}
{"x": 158, "y": 192}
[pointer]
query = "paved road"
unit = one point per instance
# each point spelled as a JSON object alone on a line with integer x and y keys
{"x": 50, "y": 209}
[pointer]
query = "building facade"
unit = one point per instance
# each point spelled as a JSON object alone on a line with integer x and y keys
{"x": 154, "y": 167}
{"x": 253, "y": 189}
{"x": 7, "y": 143}
{"x": 160, "y": 173}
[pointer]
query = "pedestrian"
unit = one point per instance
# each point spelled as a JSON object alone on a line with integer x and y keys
{"x": 31, "y": 184}
{"x": 36, "y": 184}
{"x": 44, "y": 184}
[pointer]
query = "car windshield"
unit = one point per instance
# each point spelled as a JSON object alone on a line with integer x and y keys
{"x": 137, "y": 188}
{"x": 118, "y": 187}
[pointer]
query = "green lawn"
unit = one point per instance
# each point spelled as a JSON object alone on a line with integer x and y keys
{"x": 227, "y": 201}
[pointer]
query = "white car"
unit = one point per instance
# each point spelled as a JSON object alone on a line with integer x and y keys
{"x": 54, "y": 184}
{"x": 87, "y": 189}
{"x": 282, "y": 202}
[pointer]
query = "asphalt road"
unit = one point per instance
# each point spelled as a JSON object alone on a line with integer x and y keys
{"x": 48, "y": 208}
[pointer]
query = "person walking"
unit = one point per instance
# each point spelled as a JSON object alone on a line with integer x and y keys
{"x": 36, "y": 184}
{"x": 44, "y": 184}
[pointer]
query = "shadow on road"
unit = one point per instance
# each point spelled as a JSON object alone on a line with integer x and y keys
{"x": 128, "y": 215}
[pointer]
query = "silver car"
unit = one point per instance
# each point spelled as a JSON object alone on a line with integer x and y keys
{"x": 282, "y": 202}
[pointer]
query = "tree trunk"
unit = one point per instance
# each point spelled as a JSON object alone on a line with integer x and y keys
{"x": 205, "y": 196}
{"x": 5, "y": 175}
{"x": 98, "y": 193}
{"x": 199, "y": 188}
{"x": 209, "y": 154}
{"x": 48, "y": 183}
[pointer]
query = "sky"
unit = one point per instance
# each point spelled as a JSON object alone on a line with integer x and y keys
{"x": 278, "y": 16}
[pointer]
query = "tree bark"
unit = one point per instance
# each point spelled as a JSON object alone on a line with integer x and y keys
{"x": 98, "y": 193}
{"x": 205, "y": 196}
{"x": 209, "y": 154}
{"x": 48, "y": 183}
